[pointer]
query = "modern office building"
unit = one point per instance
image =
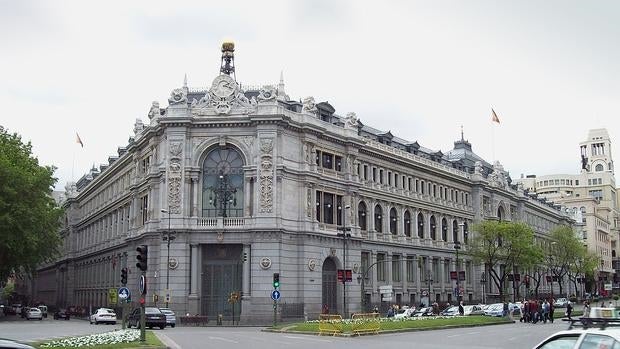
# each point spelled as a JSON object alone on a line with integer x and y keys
{"x": 251, "y": 183}
{"x": 593, "y": 194}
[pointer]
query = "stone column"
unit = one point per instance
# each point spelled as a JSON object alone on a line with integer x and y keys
{"x": 403, "y": 273}
{"x": 374, "y": 280}
{"x": 247, "y": 264}
{"x": 442, "y": 274}
{"x": 194, "y": 195}
{"x": 416, "y": 271}
{"x": 194, "y": 298}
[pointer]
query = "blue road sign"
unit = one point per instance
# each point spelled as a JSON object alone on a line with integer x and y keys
{"x": 124, "y": 293}
{"x": 275, "y": 295}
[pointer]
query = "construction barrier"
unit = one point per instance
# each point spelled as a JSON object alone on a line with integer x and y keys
{"x": 365, "y": 323}
{"x": 331, "y": 324}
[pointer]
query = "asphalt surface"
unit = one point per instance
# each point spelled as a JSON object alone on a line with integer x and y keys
{"x": 515, "y": 335}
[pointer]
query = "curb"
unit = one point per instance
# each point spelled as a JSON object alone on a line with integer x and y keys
{"x": 404, "y": 330}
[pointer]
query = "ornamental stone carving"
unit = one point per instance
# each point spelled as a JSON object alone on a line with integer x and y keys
{"x": 309, "y": 203}
{"x": 178, "y": 96}
{"x": 223, "y": 97}
{"x": 309, "y": 105}
{"x": 351, "y": 121}
{"x": 175, "y": 167}
{"x": 154, "y": 111}
{"x": 266, "y": 175}
{"x": 267, "y": 94}
{"x": 176, "y": 148}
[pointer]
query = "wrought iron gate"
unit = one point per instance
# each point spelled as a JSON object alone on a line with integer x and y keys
{"x": 222, "y": 274}
{"x": 329, "y": 286}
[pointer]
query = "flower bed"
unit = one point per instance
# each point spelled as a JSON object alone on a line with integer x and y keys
{"x": 107, "y": 338}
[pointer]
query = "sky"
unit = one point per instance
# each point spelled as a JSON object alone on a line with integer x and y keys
{"x": 420, "y": 69}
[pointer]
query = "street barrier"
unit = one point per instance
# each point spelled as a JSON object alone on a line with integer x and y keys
{"x": 193, "y": 320}
{"x": 365, "y": 323}
{"x": 331, "y": 324}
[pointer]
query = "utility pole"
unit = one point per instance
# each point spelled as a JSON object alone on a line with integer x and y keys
{"x": 168, "y": 237}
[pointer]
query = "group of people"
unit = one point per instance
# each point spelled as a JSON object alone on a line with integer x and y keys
{"x": 540, "y": 310}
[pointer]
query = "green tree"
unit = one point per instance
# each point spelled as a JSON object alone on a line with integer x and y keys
{"x": 562, "y": 253}
{"x": 503, "y": 247}
{"x": 584, "y": 265}
{"x": 29, "y": 217}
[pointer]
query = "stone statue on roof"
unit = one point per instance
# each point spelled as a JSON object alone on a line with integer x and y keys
{"x": 351, "y": 121}
{"x": 309, "y": 105}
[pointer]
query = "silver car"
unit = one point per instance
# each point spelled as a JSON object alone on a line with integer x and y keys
{"x": 171, "y": 319}
{"x": 33, "y": 313}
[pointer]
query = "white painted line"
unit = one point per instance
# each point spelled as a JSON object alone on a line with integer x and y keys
{"x": 512, "y": 338}
{"x": 224, "y": 339}
{"x": 167, "y": 340}
{"x": 308, "y": 338}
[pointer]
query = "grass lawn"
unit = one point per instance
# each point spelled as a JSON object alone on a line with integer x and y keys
{"x": 423, "y": 323}
{"x": 151, "y": 342}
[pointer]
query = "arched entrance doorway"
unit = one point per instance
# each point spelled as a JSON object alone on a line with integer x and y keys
{"x": 329, "y": 286}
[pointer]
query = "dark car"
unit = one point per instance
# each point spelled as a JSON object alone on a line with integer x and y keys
{"x": 61, "y": 314}
{"x": 153, "y": 317}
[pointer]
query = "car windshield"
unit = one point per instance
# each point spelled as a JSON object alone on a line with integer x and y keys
{"x": 166, "y": 311}
{"x": 152, "y": 311}
{"x": 106, "y": 311}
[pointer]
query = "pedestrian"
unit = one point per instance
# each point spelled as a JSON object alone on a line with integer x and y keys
{"x": 569, "y": 310}
{"x": 390, "y": 312}
{"x": 545, "y": 311}
{"x": 461, "y": 309}
{"x": 611, "y": 304}
{"x": 586, "y": 309}
{"x": 551, "y": 309}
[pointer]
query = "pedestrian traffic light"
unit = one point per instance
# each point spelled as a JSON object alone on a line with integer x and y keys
{"x": 276, "y": 280}
{"x": 124, "y": 276}
{"x": 142, "y": 257}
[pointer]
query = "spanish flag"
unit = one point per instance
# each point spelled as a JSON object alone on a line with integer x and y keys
{"x": 79, "y": 140}
{"x": 494, "y": 118}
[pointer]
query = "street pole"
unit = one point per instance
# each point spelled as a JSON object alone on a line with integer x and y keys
{"x": 457, "y": 247}
{"x": 364, "y": 276}
{"x": 344, "y": 235}
{"x": 168, "y": 237}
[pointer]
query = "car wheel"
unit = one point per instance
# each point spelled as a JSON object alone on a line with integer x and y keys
{"x": 172, "y": 325}
{"x": 28, "y": 318}
{"x": 40, "y": 319}
{"x": 162, "y": 327}
{"x": 150, "y": 327}
{"x": 96, "y": 322}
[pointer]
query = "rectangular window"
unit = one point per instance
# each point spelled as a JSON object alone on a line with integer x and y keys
{"x": 144, "y": 208}
{"x": 338, "y": 163}
{"x": 339, "y": 210}
{"x": 318, "y": 205}
{"x": 374, "y": 174}
{"x": 396, "y": 272}
{"x": 380, "y": 267}
{"x": 410, "y": 270}
{"x": 328, "y": 208}
{"x": 389, "y": 178}
{"x": 365, "y": 172}
{"x": 365, "y": 262}
{"x": 381, "y": 176}
{"x": 436, "y": 270}
{"x": 328, "y": 161}
{"x": 318, "y": 158}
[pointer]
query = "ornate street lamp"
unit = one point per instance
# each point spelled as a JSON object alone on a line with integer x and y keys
{"x": 224, "y": 194}
{"x": 168, "y": 237}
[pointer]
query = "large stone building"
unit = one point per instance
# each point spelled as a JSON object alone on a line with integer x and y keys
{"x": 253, "y": 183}
{"x": 593, "y": 195}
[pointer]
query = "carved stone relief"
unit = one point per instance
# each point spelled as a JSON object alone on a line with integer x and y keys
{"x": 224, "y": 96}
{"x": 309, "y": 202}
{"x": 266, "y": 175}
{"x": 174, "y": 177}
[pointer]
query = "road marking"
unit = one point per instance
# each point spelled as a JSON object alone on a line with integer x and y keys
{"x": 224, "y": 339}
{"x": 512, "y": 338}
{"x": 309, "y": 339}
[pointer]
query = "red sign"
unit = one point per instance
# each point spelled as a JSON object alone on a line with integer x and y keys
{"x": 452, "y": 275}
{"x": 340, "y": 275}
{"x": 348, "y": 275}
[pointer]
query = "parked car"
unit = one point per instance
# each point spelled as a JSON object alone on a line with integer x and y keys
{"x": 153, "y": 317}
{"x": 61, "y": 314}
{"x": 43, "y": 309}
{"x": 496, "y": 309}
{"x": 171, "y": 319}
{"x": 450, "y": 311}
{"x": 428, "y": 311}
{"x": 103, "y": 315}
{"x": 33, "y": 313}
{"x": 560, "y": 303}
{"x": 404, "y": 313}
{"x": 473, "y": 310}
{"x": 7, "y": 343}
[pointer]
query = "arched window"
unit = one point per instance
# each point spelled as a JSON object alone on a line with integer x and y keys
{"x": 361, "y": 216}
{"x": 222, "y": 183}
{"x": 378, "y": 219}
{"x": 393, "y": 221}
{"x": 444, "y": 230}
{"x": 465, "y": 233}
{"x": 407, "y": 222}
{"x": 500, "y": 213}
{"x": 455, "y": 231}
{"x": 433, "y": 228}
{"x": 598, "y": 168}
{"x": 420, "y": 226}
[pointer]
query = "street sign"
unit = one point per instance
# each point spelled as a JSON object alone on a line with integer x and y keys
{"x": 452, "y": 275}
{"x": 387, "y": 299}
{"x": 124, "y": 293}
{"x": 112, "y": 296}
{"x": 142, "y": 284}
{"x": 608, "y": 287}
{"x": 275, "y": 295}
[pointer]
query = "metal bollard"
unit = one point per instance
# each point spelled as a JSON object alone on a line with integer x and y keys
{"x": 219, "y": 319}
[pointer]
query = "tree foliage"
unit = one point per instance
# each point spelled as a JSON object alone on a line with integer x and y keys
{"x": 29, "y": 217}
{"x": 502, "y": 247}
{"x": 564, "y": 252}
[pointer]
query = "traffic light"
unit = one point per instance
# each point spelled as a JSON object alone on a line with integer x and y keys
{"x": 276, "y": 280}
{"x": 142, "y": 257}
{"x": 124, "y": 276}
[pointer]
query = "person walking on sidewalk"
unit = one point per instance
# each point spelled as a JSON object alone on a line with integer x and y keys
{"x": 569, "y": 310}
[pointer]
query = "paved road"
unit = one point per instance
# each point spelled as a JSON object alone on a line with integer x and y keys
{"x": 34, "y": 330}
{"x": 490, "y": 337}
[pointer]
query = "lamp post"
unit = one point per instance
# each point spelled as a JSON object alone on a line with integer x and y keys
{"x": 345, "y": 235}
{"x": 168, "y": 236}
{"x": 457, "y": 247}
{"x": 224, "y": 194}
{"x": 364, "y": 275}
